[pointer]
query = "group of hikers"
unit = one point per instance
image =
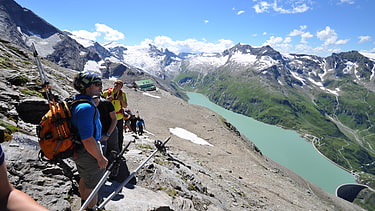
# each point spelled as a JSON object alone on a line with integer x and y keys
{"x": 109, "y": 127}
{"x": 100, "y": 125}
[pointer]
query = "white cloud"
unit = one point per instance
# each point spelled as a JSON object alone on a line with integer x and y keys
{"x": 287, "y": 39}
{"x": 109, "y": 33}
{"x": 305, "y": 36}
{"x": 274, "y": 40}
{"x": 285, "y": 45}
{"x": 279, "y": 43}
{"x": 295, "y": 9}
{"x": 329, "y": 36}
{"x": 363, "y": 39}
{"x": 262, "y": 7}
{"x": 342, "y": 42}
{"x": 240, "y": 12}
{"x": 300, "y": 32}
{"x": 205, "y": 21}
{"x": 347, "y": 1}
{"x": 189, "y": 45}
{"x": 302, "y": 48}
{"x": 320, "y": 50}
{"x": 85, "y": 34}
{"x": 282, "y": 6}
{"x": 282, "y": 44}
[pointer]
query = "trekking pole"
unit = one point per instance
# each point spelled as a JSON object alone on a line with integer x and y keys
{"x": 160, "y": 147}
{"x": 105, "y": 177}
{"x": 53, "y": 106}
{"x": 43, "y": 77}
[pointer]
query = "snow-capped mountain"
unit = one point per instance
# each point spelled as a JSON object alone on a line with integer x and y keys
{"x": 287, "y": 69}
{"x": 158, "y": 62}
{"x": 113, "y": 59}
{"x": 283, "y": 69}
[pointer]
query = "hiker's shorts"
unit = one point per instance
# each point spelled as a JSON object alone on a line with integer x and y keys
{"x": 88, "y": 168}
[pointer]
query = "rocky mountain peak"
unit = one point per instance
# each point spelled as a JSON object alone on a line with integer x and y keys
{"x": 7, "y": 25}
{"x": 244, "y": 49}
{"x": 111, "y": 48}
{"x": 28, "y": 22}
{"x": 351, "y": 63}
{"x": 259, "y": 52}
{"x": 269, "y": 51}
{"x": 60, "y": 48}
{"x": 155, "y": 51}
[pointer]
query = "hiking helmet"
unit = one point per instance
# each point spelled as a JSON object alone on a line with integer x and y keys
{"x": 84, "y": 79}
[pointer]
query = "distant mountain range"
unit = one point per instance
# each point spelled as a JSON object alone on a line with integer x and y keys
{"x": 328, "y": 100}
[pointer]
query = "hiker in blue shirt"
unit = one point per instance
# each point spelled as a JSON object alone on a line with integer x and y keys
{"x": 89, "y": 158}
{"x": 140, "y": 125}
{"x": 11, "y": 198}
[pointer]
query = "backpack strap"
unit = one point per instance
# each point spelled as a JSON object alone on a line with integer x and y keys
{"x": 83, "y": 100}
{"x": 109, "y": 91}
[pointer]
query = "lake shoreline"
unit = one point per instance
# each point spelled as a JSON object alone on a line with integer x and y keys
{"x": 284, "y": 146}
{"x": 356, "y": 176}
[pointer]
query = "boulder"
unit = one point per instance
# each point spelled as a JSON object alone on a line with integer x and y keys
{"x": 31, "y": 110}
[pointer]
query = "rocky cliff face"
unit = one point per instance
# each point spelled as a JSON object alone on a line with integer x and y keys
{"x": 29, "y": 23}
{"x": 22, "y": 27}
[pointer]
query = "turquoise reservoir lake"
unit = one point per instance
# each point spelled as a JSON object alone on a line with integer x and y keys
{"x": 286, "y": 147}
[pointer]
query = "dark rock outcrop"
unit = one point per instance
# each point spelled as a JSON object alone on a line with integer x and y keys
{"x": 32, "y": 110}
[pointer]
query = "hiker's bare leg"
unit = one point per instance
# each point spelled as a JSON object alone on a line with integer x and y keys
{"x": 85, "y": 193}
{"x": 94, "y": 199}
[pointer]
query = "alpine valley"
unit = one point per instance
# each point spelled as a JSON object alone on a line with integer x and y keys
{"x": 329, "y": 101}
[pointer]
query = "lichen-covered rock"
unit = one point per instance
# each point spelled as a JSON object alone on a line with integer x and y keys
{"x": 45, "y": 182}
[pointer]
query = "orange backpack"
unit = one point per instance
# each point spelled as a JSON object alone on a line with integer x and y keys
{"x": 57, "y": 137}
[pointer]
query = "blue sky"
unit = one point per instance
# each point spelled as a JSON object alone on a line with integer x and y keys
{"x": 318, "y": 27}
